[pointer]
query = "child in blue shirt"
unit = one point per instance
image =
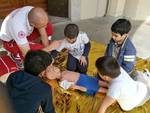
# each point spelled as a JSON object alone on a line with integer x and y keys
{"x": 120, "y": 46}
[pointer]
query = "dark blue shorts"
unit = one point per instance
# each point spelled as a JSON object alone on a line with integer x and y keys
{"x": 91, "y": 83}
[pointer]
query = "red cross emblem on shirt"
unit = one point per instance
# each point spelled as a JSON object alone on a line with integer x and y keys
{"x": 21, "y": 34}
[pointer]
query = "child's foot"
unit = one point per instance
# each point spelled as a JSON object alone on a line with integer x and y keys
{"x": 146, "y": 72}
{"x": 18, "y": 61}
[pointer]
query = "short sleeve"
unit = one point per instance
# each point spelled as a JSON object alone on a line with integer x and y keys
{"x": 18, "y": 33}
{"x": 84, "y": 37}
{"x": 49, "y": 29}
{"x": 114, "y": 91}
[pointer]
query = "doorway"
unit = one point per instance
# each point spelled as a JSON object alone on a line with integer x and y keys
{"x": 58, "y": 8}
{"x": 6, "y": 6}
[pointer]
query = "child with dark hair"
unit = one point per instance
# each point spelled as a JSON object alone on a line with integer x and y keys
{"x": 26, "y": 89}
{"x": 37, "y": 61}
{"x": 78, "y": 45}
{"x": 120, "y": 45}
{"x": 122, "y": 88}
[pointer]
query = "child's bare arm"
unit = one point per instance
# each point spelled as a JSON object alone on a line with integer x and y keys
{"x": 103, "y": 84}
{"x": 44, "y": 36}
{"x": 102, "y": 90}
{"x": 78, "y": 88}
{"x": 105, "y": 104}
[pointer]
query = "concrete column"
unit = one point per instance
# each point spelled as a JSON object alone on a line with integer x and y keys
{"x": 84, "y": 9}
{"x": 88, "y": 8}
{"x": 74, "y": 9}
{"x": 101, "y": 8}
{"x": 137, "y": 9}
{"x": 116, "y": 7}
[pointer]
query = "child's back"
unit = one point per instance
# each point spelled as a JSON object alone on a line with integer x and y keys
{"x": 122, "y": 88}
{"x": 126, "y": 91}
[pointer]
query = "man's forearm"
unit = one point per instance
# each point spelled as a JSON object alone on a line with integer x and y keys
{"x": 44, "y": 37}
{"x": 24, "y": 49}
{"x": 53, "y": 46}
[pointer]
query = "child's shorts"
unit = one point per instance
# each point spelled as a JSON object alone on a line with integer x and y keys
{"x": 91, "y": 83}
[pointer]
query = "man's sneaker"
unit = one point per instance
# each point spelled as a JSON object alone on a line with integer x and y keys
{"x": 17, "y": 59}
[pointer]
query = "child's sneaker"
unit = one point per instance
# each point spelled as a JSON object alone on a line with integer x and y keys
{"x": 17, "y": 59}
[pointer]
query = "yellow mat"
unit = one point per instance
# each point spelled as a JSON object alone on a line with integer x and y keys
{"x": 77, "y": 102}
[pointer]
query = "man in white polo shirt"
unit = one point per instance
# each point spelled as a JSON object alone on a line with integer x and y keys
{"x": 21, "y": 27}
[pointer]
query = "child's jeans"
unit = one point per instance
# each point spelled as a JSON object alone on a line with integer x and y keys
{"x": 73, "y": 64}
